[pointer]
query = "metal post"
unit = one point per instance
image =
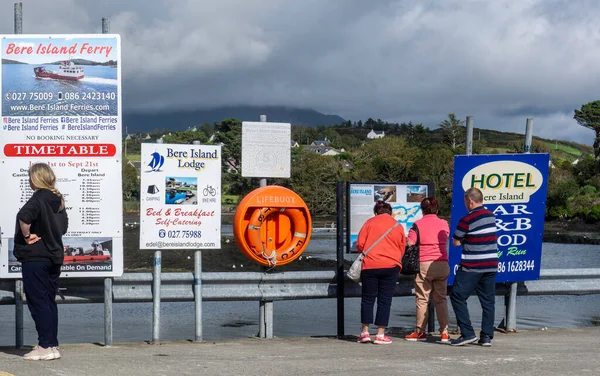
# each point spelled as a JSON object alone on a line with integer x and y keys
{"x": 511, "y": 297}
{"x": 19, "y": 282}
{"x": 528, "y": 135}
{"x": 263, "y": 119}
{"x": 340, "y": 276}
{"x": 18, "y": 18}
{"x": 198, "y": 288}
{"x": 156, "y": 289}
{"x": 430, "y": 317}
{"x": 265, "y": 315}
{"x": 18, "y": 313}
{"x": 108, "y": 301}
{"x": 469, "y": 143}
{"x": 198, "y": 294}
{"x": 261, "y": 320}
{"x": 105, "y": 25}
{"x": 156, "y": 296}
{"x": 269, "y": 319}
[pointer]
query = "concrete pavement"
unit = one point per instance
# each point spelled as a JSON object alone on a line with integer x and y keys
{"x": 533, "y": 352}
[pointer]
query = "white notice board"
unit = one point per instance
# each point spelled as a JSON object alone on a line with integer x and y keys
{"x": 266, "y": 149}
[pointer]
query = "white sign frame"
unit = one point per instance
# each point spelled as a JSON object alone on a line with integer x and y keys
{"x": 77, "y": 130}
{"x": 266, "y": 149}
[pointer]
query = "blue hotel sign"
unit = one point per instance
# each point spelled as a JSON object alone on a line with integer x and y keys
{"x": 514, "y": 188}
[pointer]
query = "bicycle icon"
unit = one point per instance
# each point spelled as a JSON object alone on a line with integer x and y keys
{"x": 209, "y": 190}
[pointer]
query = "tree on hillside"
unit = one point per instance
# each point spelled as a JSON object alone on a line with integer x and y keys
{"x": 418, "y": 135}
{"x": 589, "y": 117}
{"x": 436, "y": 165}
{"x": 385, "y": 159}
{"x": 453, "y": 130}
{"x": 131, "y": 182}
{"x": 314, "y": 178}
{"x": 186, "y": 137}
{"x": 230, "y": 134}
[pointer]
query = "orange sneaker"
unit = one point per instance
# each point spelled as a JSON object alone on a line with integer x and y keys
{"x": 445, "y": 338}
{"x": 416, "y": 336}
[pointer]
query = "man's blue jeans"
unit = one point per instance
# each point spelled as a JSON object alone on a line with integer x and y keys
{"x": 485, "y": 286}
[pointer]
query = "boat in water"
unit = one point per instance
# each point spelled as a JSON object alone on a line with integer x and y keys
{"x": 67, "y": 70}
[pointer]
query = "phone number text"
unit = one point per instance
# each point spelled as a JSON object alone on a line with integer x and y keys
{"x": 68, "y": 95}
{"x": 180, "y": 234}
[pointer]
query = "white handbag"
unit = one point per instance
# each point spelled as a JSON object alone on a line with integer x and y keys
{"x": 356, "y": 267}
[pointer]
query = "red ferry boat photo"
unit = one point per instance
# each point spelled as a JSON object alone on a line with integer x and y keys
{"x": 67, "y": 70}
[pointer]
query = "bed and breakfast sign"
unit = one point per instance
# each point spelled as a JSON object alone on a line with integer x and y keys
{"x": 180, "y": 197}
{"x": 61, "y": 104}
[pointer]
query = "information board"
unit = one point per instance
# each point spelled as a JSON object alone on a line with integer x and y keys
{"x": 514, "y": 188}
{"x": 180, "y": 197}
{"x": 266, "y": 149}
{"x": 61, "y": 105}
{"x": 404, "y": 198}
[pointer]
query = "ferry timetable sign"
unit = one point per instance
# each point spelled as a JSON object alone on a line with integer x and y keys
{"x": 514, "y": 188}
{"x": 60, "y": 103}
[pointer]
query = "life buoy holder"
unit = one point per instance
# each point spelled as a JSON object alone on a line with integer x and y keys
{"x": 276, "y": 234}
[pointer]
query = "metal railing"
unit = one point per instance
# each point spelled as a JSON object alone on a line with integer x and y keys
{"x": 179, "y": 287}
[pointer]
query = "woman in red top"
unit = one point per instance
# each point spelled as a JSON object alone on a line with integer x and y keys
{"x": 380, "y": 269}
{"x": 434, "y": 270}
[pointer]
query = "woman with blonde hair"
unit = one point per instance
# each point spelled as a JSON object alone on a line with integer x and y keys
{"x": 41, "y": 223}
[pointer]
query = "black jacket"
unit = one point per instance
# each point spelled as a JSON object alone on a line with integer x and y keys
{"x": 47, "y": 222}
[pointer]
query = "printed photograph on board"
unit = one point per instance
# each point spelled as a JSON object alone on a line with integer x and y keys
{"x": 385, "y": 193}
{"x": 80, "y": 255}
{"x": 44, "y": 76}
{"x": 181, "y": 191}
{"x": 416, "y": 193}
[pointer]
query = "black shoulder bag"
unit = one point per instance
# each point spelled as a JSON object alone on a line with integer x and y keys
{"x": 411, "y": 263}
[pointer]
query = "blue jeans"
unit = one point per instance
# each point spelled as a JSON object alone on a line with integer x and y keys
{"x": 40, "y": 281}
{"x": 377, "y": 284}
{"x": 485, "y": 286}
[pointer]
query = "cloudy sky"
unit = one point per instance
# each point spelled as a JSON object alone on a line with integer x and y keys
{"x": 500, "y": 61}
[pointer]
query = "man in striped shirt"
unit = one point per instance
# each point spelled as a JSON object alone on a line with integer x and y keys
{"x": 476, "y": 232}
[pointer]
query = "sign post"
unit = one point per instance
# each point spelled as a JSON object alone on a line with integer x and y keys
{"x": 514, "y": 188}
{"x": 266, "y": 154}
{"x": 61, "y": 104}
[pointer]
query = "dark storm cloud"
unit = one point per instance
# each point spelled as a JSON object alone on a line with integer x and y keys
{"x": 500, "y": 61}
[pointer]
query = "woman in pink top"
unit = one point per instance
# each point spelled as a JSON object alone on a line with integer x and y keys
{"x": 434, "y": 270}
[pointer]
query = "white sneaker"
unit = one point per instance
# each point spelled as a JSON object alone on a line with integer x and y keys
{"x": 56, "y": 352}
{"x": 40, "y": 353}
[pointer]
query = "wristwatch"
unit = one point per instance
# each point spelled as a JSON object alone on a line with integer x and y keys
{"x": 27, "y": 236}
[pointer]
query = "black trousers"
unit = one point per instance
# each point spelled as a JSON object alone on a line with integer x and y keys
{"x": 377, "y": 284}
{"x": 40, "y": 281}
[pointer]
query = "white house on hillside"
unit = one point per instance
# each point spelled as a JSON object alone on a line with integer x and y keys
{"x": 371, "y": 135}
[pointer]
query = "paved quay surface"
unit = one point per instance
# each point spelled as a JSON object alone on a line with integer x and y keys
{"x": 532, "y": 352}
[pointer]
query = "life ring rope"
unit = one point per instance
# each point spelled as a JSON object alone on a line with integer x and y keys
{"x": 293, "y": 247}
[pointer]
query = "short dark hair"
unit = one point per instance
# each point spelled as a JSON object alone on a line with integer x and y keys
{"x": 430, "y": 205}
{"x": 382, "y": 207}
{"x": 475, "y": 195}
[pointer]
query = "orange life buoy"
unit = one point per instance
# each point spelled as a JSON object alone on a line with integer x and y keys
{"x": 276, "y": 234}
